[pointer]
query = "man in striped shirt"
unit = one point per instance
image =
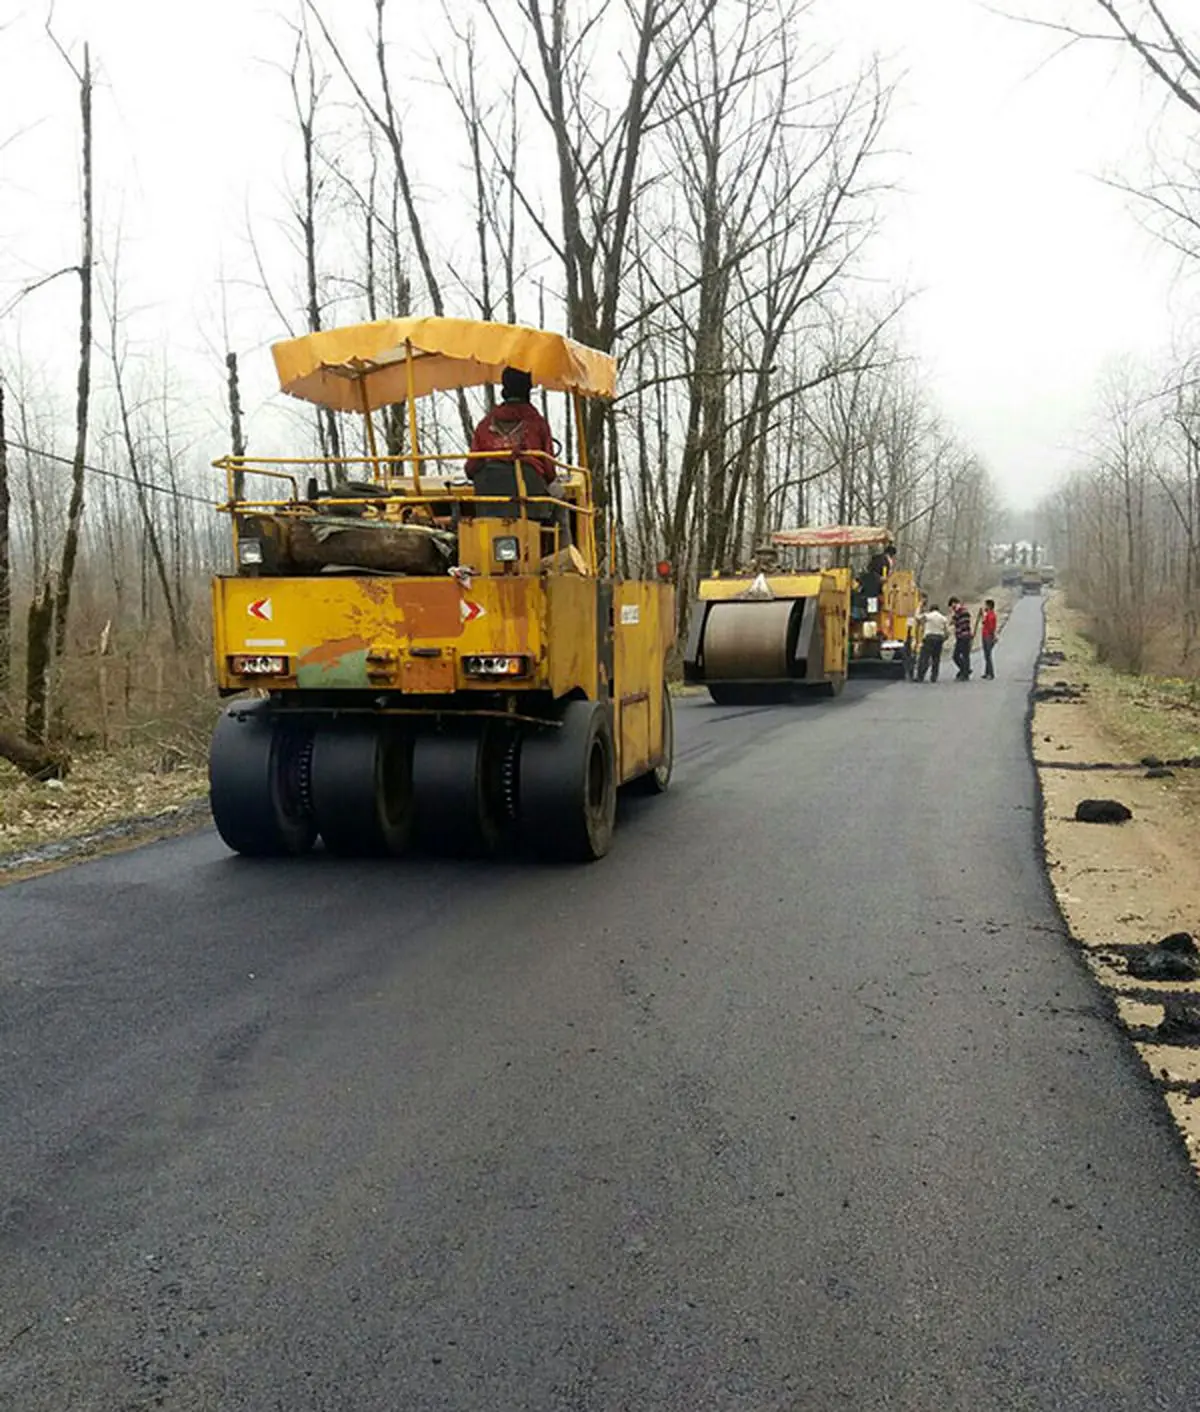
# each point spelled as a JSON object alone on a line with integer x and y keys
{"x": 960, "y": 618}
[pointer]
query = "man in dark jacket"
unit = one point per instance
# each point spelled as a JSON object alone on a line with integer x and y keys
{"x": 879, "y": 566}
{"x": 515, "y": 426}
{"x": 960, "y": 619}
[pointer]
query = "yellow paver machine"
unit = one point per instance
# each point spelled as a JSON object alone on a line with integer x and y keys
{"x": 792, "y": 623}
{"x": 440, "y": 658}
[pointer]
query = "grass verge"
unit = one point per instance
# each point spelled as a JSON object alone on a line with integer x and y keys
{"x": 1142, "y": 715}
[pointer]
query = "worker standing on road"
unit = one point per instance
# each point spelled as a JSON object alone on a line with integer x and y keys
{"x": 961, "y": 618}
{"x": 985, "y": 625}
{"x": 934, "y": 639}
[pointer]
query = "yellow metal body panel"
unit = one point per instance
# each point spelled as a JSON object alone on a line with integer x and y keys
{"x": 644, "y": 627}
{"x": 570, "y": 624}
{"x": 476, "y": 539}
{"x": 902, "y": 603}
{"x": 896, "y": 618}
{"x": 352, "y": 631}
{"x": 411, "y": 634}
{"x": 835, "y": 619}
{"x": 719, "y": 590}
{"x": 831, "y": 589}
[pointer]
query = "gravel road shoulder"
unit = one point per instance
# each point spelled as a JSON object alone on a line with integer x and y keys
{"x": 1122, "y": 887}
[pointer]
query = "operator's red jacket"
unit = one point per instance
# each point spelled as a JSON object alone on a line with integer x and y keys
{"x": 516, "y": 426}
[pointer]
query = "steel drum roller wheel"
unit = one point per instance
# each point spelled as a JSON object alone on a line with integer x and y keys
{"x": 749, "y": 641}
{"x": 729, "y": 694}
{"x": 658, "y": 780}
{"x": 750, "y": 693}
{"x": 568, "y": 788}
{"x": 463, "y": 790}
{"x": 259, "y": 783}
{"x": 362, "y": 788}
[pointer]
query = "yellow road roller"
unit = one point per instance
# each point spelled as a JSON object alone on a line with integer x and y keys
{"x": 784, "y": 628}
{"x": 425, "y": 648}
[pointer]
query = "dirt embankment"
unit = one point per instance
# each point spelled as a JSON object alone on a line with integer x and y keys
{"x": 107, "y": 802}
{"x": 1126, "y": 886}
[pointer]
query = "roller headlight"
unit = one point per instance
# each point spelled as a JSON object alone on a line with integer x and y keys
{"x": 254, "y": 665}
{"x": 495, "y": 666}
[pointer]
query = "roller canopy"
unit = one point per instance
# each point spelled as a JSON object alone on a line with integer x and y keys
{"x": 365, "y": 366}
{"x": 832, "y": 536}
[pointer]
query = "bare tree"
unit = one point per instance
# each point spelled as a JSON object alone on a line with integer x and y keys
{"x": 1164, "y": 37}
{"x": 382, "y": 112}
{"x": 5, "y": 563}
{"x": 306, "y": 91}
{"x": 126, "y": 413}
{"x": 70, "y": 548}
{"x": 599, "y": 153}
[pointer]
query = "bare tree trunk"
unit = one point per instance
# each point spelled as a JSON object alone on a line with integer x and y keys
{"x": 306, "y": 119}
{"x": 70, "y": 550}
{"x": 385, "y": 118}
{"x": 39, "y": 640}
{"x": 37, "y": 551}
{"x": 5, "y": 564}
{"x": 237, "y": 439}
{"x": 34, "y": 760}
{"x": 149, "y": 525}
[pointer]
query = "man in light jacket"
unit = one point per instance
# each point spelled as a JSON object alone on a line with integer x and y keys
{"x": 936, "y": 631}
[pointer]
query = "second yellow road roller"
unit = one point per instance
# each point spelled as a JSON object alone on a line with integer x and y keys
{"x": 796, "y": 621}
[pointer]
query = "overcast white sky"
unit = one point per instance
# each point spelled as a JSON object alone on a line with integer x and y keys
{"x": 1034, "y": 275}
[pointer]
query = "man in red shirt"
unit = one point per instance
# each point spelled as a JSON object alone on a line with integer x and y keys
{"x": 986, "y": 626}
{"x": 513, "y": 427}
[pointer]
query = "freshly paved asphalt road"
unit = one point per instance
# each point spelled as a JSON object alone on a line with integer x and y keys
{"x": 800, "y": 1100}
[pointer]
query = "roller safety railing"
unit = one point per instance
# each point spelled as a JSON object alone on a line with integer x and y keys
{"x": 404, "y": 491}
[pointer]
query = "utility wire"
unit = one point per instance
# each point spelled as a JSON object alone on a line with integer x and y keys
{"x": 172, "y": 491}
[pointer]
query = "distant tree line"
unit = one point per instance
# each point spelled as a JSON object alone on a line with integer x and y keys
{"x": 702, "y": 208}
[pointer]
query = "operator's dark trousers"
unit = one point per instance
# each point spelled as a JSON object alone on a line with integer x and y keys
{"x": 988, "y": 670}
{"x": 962, "y": 657}
{"x": 930, "y": 659}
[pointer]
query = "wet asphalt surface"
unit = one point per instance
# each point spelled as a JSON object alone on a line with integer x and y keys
{"x": 799, "y": 1100}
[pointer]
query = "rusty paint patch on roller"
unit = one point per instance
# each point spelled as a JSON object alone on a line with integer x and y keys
{"x": 428, "y": 609}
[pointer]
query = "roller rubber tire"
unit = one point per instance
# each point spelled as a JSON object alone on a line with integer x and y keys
{"x": 658, "y": 780}
{"x": 362, "y": 789}
{"x": 258, "y": 784}
{"x": 568, "y": 787}
{"x": 458, "y": 793}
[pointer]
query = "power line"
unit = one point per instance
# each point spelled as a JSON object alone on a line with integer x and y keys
{"x": 170, "y": 490}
